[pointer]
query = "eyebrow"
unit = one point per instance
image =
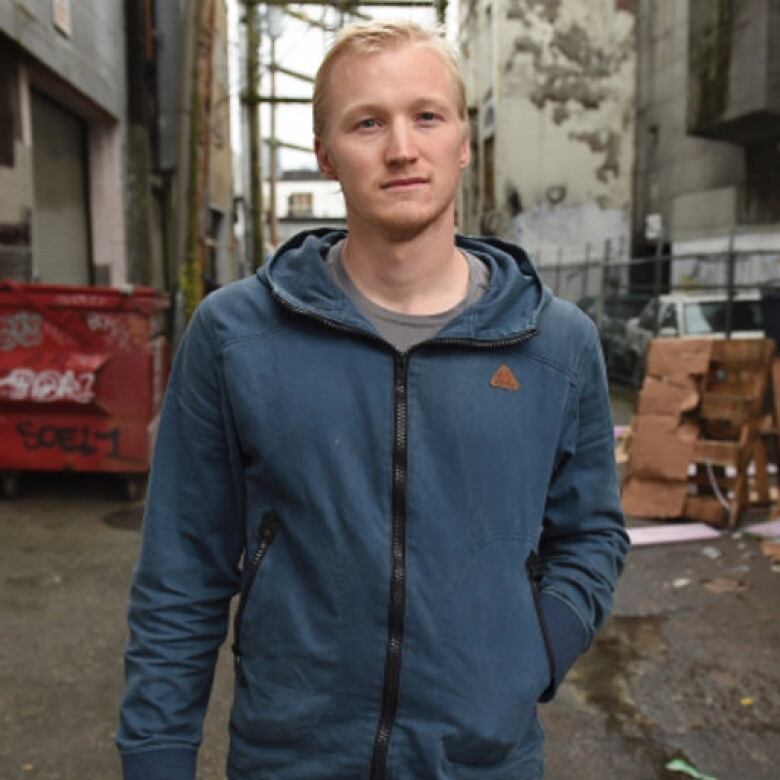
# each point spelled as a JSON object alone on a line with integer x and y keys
{"x": 432, "y": 102}
{"x": 362, "y": 108}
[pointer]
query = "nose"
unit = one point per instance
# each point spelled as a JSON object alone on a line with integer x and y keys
{"x": 401, "y": 144}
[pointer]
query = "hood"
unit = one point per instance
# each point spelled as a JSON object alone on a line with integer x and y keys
{"x": 298, "y": 277}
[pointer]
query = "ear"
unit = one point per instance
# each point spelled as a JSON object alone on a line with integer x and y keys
{"x": 464, "y": 157}
{"x": 324, "y": 162}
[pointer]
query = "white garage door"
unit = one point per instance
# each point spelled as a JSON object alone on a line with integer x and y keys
{"x": 60, "y": 222}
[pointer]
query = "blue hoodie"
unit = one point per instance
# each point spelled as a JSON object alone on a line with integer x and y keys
{"x": 422, "y": 542}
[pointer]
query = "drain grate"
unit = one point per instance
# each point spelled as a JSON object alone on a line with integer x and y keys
{"x": 125, "y": 519}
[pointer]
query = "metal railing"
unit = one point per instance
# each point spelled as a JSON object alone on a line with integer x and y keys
{"x": 601, "y": 279}
{"x": 613, "y": 291}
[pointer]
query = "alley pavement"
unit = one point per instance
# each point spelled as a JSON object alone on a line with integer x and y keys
{"x": 683, "y": 670}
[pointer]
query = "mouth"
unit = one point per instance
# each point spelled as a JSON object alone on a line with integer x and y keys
{"x": 406, "y": 183}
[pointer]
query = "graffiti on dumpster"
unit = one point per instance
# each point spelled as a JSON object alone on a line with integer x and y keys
{"x": 114, "y": 329}
{"x": 22, "y": 329}
{"x": 79, "y": 299}
{"x": 59, "y": 337}
{"x": 81, "y": 439}
{"x": 25, "y": 384}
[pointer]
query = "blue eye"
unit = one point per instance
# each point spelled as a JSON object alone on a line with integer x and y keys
{"x": 428, "y": 116}
{"x": 367, "y": 124}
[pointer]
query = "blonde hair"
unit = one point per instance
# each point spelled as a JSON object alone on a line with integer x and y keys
{"x": 375, "y": 37}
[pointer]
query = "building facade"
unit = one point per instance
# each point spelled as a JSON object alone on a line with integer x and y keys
{"x": 551, "y": 89}
{"x": 708, "y": 136}
{"x": 305, "y": 200}
{"x": 96, "y": 141}
{"x": 63, "y": 103}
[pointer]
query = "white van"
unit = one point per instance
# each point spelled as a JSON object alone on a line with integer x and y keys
{"x": 692, "y": 316}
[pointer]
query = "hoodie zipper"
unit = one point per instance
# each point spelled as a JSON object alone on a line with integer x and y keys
{"x": 397, "y": 603}
{"x": 269, "y": 525}
{"x": 397, "y": 599}
{"x": 530, "y": 565}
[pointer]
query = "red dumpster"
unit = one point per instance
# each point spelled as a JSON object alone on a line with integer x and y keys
{"x": 82, "y": 376}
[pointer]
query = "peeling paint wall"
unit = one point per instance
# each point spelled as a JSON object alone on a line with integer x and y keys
{"x": 561, "y": 96}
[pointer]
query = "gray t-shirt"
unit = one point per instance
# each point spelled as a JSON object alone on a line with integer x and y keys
{"x": 403, "y": 331}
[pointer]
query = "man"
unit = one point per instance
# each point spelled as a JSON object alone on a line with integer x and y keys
{"x": 397, "y": 447}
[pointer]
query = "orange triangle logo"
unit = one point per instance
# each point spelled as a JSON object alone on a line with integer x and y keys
{"x": 504, "y": 378}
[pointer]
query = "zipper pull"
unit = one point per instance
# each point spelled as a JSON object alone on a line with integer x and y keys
{"x": 269, "y": 525}
{"x": 237, "y": 669}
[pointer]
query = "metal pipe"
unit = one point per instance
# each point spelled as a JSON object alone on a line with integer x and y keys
{"x": 287, "y": 145}
{"x": 292, "y": 73}
{"x": 253, "y": 98}
{"x": 255, "y": 158}
{"x": 272, "y": 174}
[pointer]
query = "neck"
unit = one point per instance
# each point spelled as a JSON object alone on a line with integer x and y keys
{"x": 424, "y": 274}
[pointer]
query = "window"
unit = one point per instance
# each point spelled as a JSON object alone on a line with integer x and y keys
{"x": 669, "y": 317}
{"x": 710, "y": 317}
{"x": 300, "y": 204}
{"x": 647, "y": 318}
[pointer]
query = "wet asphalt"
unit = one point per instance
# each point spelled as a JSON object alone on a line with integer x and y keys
{"x": 679, "y": 671}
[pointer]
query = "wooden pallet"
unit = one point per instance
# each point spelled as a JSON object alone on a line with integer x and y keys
{"x": 733, "y": 432}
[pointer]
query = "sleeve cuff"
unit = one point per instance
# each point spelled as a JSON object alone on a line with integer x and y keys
{"x": 567, "y": 637}
{"x": 159, "y": 764}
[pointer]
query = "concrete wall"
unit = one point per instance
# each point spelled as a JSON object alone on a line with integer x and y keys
{"x": 90, "y": 58}
{"x": 704, "y": 189}
{"x": 734, "y": 69}
{"x": 552, "y": 82}
{"x": 108, "y": 220}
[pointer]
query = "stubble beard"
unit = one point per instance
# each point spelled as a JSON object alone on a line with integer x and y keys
{"x": 405, "y": 221}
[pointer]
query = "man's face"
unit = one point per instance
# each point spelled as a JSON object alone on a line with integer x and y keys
{"x": 394, "y": 140}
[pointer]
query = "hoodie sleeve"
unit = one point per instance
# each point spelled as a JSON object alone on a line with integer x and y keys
{"x": 187, "y": 570}
{"x": 583, "y": 543}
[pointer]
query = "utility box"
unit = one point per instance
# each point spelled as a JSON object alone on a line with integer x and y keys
{"x": 82, "y": 376}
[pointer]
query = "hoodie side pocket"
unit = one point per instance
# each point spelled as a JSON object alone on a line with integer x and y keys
{"x": 530, "y": 566}
{"x": 269, "y": 526}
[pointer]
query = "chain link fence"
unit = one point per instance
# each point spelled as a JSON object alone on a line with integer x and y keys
{"x": 634, "y": 300}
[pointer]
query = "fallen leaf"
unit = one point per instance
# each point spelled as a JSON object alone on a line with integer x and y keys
{"x": 678, "y": 765}
{"x": 28, "y": 767}
{"x": 726, "y": 585}
{"x": 681, "y": 582}
{"x": 746, "y": 701}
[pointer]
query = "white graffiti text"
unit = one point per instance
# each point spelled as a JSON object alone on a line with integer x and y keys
{"x": 49, "y": 386}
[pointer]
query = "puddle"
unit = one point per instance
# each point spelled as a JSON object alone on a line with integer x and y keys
{"x": 128, "y": 519}
{"x": 601, "y": 674}
{"x": 601, "y": 677}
